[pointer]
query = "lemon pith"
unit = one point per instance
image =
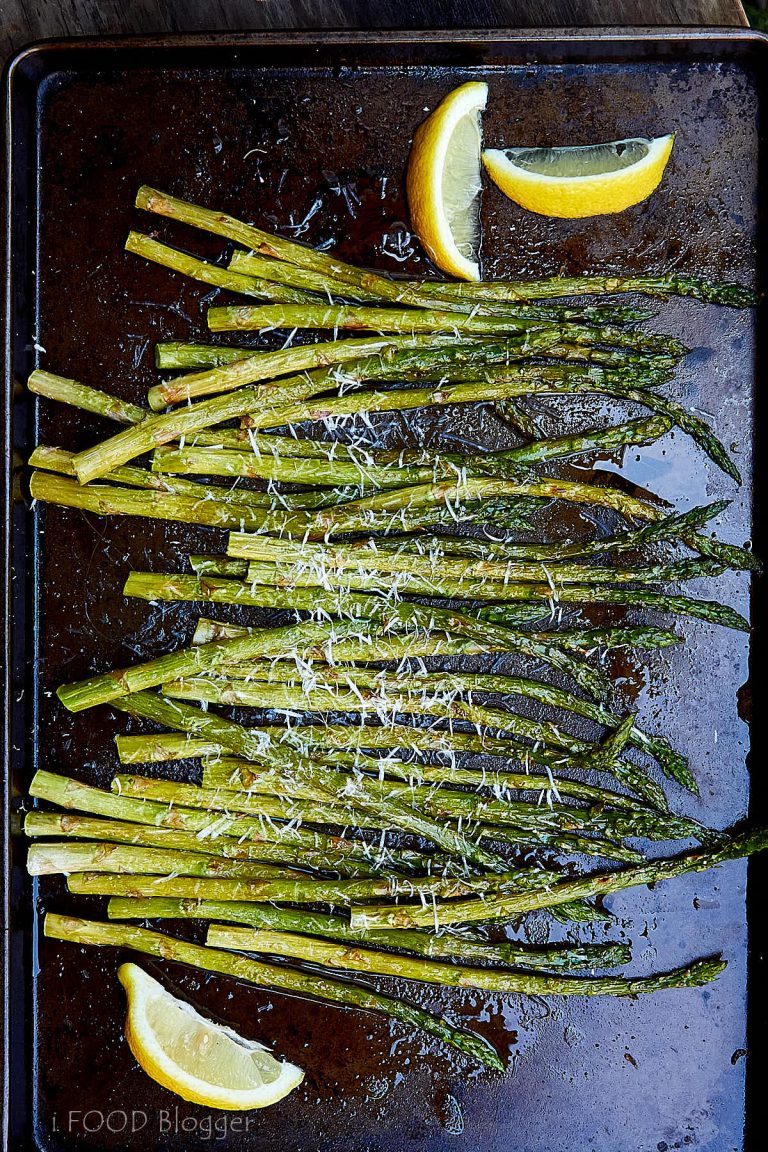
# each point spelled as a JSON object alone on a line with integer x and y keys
{"x": 580, "y": 181}
{"x": 443, "y": 181}
{"x": 199, "y": 1060}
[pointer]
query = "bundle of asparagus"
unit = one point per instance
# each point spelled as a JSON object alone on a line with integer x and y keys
{"x": 374, "y": 806}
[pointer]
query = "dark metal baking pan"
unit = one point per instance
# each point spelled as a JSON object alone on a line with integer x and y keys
{"x": 265, "y": 126}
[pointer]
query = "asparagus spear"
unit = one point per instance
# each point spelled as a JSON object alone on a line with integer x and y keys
{"x": 81, "y": 396}
{"x": 395, "y": 579}
{"x": 108, "y": 500}
{"x": 645, "y": 431}
{"x": 179, "y": 586}
{"x": 229, "y": 772}
{"x": 59, "y": 460}
{"x": 151, "y": 586}
{"x": 578, "y": 640}
{"x": 312, "y": 563}
{"x": 304, "y": 639}
{"x": 733, "y": 295}
{"x": 407, "y": 321}
{"x": 428, "y": 362}
{"x": 290, "y": 251}
{"x": 183, "y": 356}
{"x": 161, "y": 429}
{"x": 239, "y": 740}
{"x": 322, "y": 284}
{"x": 528, "y": 880}
{"x": 209, "y": 826}
{"x": 336, "y": 955}
{"x": 687, "y": 421}
{"x": 464, "y": 683}
{"x": 323, "y": 858}
{"x": 450, "y": 946}
{"x": 351, "y": 517}
{"x": 506, "y": 383}
{"x": 526, "y": 614}
{"x": 519, "y": 380}
{"x": 367, "y": 645}
{"x": 282, "y": 408}
{"x": 500, "y": 463}
{"x": 278, "y": 697}
{"x": 709, "y": 610}
{"x": 46, "y": 859}
{"x": 453, "y": 805}
{"x": 178, "y": 355}
{"x": 270, "y": 976}
{"x": 232, "y": 280}
{"x": 328, "y": 739}
{"x": 284, "y": 362}
{"x": 595, "y": 884}
{"x": 290, "y": 891}
{"x": 411, "y": 617}
{"x": 230, "y": 511}
{"x": 671, "y": 527}
{"x": 651, "y": 369}
{"x": 291, "y": 470}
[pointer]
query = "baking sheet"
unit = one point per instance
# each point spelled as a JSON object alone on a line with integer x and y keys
{"x": 310, "y": 135}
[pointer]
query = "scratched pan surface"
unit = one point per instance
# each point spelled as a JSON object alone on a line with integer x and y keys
{"x": 312, "y": 139}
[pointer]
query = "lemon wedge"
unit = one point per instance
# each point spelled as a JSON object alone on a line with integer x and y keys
{"x": 198, "y": 1060}
{"x": 444, "y": 180}
{"x": 573, "y": 182}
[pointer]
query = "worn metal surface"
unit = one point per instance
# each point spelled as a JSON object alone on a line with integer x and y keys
{"x": 26, "y": 20}
{"x": 312, "y": 140}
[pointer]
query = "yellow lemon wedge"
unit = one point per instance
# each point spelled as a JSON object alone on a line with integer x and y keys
{"x": 444, "y": 180}
{"x": 583, "y": 181}
{"x": 200, "y": 1061}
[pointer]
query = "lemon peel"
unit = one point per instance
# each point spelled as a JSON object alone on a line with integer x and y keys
{"x": 575, "y": 182}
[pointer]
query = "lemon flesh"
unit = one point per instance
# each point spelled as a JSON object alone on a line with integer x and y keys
{"x": 444, "y": 181}
{"x": 583, "y": 181}
{"x": 199, "y": 1060}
